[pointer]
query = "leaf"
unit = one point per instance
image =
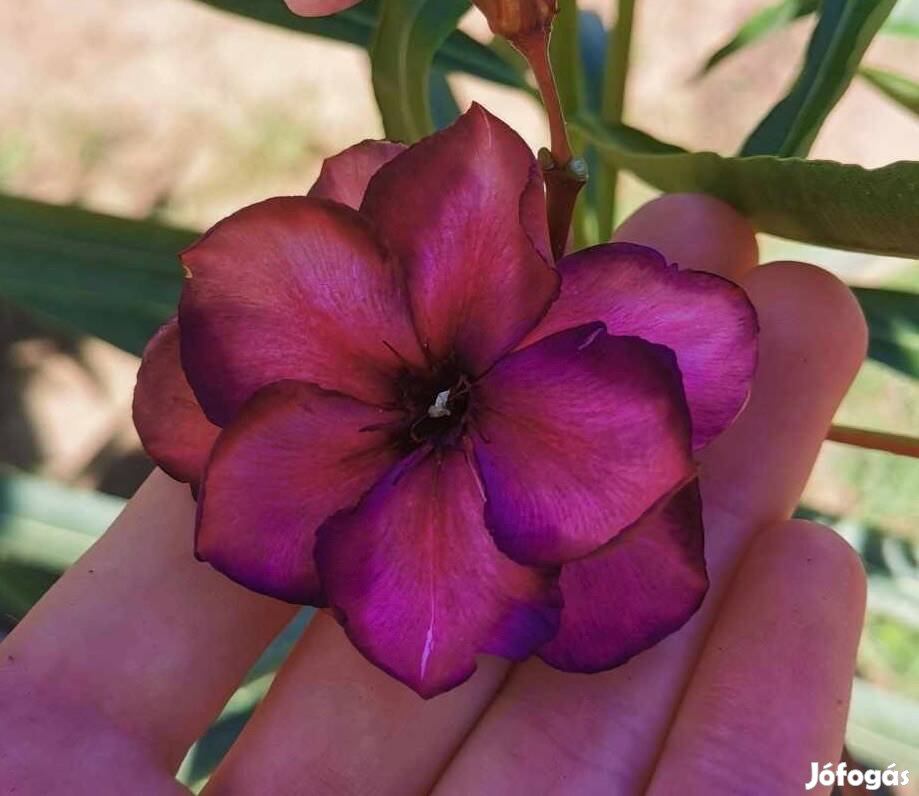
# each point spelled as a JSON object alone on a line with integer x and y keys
{"x": 844, "y": 30}
{"x": 817, "y": 201}
{"x": 903, "y": 21}
{"x": 44, "y": 528}
{"x": 893, "y": 323}
{"x": 761, "y": 24}
{"x": 444, "y": 109}
{"x": 356, "y": 26}
{"x": 592, "y": 36}
{"x": 110, "y": 277}
{"x": 401, "y": 56}
{"x": 565, "y": 55}
{"x": 900, "y": 89}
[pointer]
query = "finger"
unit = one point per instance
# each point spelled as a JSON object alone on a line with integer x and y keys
{"x": 695, "y": 231}
{"x": 770, "y": 693}
{"x": 140, "y": 632}
{"x": 368, "y": 732}
{"x": 601, "y": 733}
{"x": 333, "y": 720}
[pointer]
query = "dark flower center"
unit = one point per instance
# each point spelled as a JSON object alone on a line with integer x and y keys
{"x": 436, "y": 404}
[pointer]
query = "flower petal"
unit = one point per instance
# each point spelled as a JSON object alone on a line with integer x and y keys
{"x": 576, "y": 437}
{"x": 417, "y": 581}
{"x": 465, "y": 213}
{"x": 319, "y": 8}
{"x": 642, "y": 587}
{"x": 292, "y": 456}
{"x": 707, "y": 321}
{"x": 292, "y": 288}
{"x": 344, "y": 177}
{"x": 173, "y": 429}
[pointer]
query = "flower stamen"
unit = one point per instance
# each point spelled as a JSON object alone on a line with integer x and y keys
{"x": 439, "y": 408}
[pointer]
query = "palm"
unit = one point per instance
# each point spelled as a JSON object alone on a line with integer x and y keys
{"x": 761, "y": 675}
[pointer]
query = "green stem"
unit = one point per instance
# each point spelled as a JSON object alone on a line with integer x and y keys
{"x": 618, "y": 52}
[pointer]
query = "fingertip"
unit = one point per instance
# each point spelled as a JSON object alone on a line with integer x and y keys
{"x": 820, "y": 560}
{"x": 696, "y": 231}
{"x": 772, "y": 685}
{"x": 812, "y": 342}
{"x": 790, "y": 294}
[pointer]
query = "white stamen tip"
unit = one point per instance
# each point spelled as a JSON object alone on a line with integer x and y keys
{"x": 439, "y": 407}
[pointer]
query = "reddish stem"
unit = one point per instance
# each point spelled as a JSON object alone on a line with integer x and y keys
{"x": 875, "y": 440}
{"x": 564, "y": 175}
{"x": 535, "y": 48}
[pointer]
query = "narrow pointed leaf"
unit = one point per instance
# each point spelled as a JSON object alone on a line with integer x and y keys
{"x": 893, "y": 323}
{"x": 408, "y": 35}
{"x": 817, "y": 201}
{"x": 444, "y": 108}
{"x": 110, "y": 277}
{"x": 44, "y": 528}
{"x": 356, "y": 26}
{"x": 900, "y": 89}
{"x": 768, "y": 20}
{"x": 844, "y": 31}
{"x": 565, "y": 54}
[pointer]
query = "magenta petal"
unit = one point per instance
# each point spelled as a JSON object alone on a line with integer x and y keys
{"x": 344, "y": 176}
{"x": 292, "y": 288}
{"x": 170, "y": 424}
{"x": 633, "y": 593}
{"x": 418, "y": 584}
{"x": 464, "y": 212}
{"x": 576, "y": 437}
{"x": 292, "y": 456}
{"x": 707, "y": 321}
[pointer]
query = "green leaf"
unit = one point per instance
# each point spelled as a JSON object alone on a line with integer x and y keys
{"x": 568, "y": 67}
{"x": 760, "y": 25}
{"x": 893, "y": 322}
{"x": 110, "y": 277}
{"x": 900, "y": 89}
{"x": 903, "y": 21}
{"x": 843, "y": 32}
{"x": 565, "y": 55}
{"x": 592, "y": 37}
{"x": 44, "y": 528}
{"x": 401, "y": 56}
{"x": 612, "y": 108}
{"x": 357, "y": 25}
{"x": 444, "y": 108}
{"x": 817, "y": 201}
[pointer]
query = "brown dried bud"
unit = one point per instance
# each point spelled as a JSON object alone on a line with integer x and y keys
{"x": 517, "y": 19}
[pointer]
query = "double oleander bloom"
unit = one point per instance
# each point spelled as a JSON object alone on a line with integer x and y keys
{"x": 393, "y": 404}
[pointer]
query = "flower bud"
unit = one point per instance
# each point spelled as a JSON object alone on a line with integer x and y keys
{"x": 518, "y": 19}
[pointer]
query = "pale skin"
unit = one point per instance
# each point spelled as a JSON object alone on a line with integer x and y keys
{"x": 125, "y": 662}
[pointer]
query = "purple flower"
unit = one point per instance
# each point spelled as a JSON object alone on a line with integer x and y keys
{"x": 399, "y": 408}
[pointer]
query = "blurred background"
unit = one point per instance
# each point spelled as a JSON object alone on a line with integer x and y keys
{"x": 181, "y": 113}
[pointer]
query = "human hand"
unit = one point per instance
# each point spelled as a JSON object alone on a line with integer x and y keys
{"x": 127, "y": 660}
